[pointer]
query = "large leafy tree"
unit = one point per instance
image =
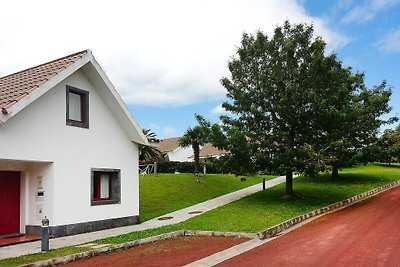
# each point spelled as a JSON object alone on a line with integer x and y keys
{"x": 350, "y": 115}
{"x": 196, "y": 137}
{"x": 273, "y": 89}
{"x": 298, "y": 108}
{"x": 389, "y": 145}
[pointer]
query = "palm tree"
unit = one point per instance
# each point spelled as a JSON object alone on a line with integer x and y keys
{"x": 196, "y": 137}
{"x": 149, "y": 153}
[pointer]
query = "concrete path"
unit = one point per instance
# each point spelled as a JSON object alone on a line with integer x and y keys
{"x": 178, "y": 216}
{"x": 228, "y": 253}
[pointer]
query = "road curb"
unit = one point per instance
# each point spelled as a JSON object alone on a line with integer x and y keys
{"x": 274, "y": 230}
{"x": 130, "y": 244}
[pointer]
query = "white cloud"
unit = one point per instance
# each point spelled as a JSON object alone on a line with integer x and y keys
{"x": 168, "y": 131}
{"x": 390, "y": 42}
{"x": 163, "y": 131}
{"x": 157, "y": 53}
{"x": 344, "y": 3}
{"x": 219, "y": 110}
{"x": 367, "y": 11}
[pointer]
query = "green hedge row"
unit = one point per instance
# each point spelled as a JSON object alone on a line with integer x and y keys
{"x": 182, "y": 167}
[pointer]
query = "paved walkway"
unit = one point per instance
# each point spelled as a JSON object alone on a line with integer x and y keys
{"x": 178, "y": 216}
{"x": 228, "y": 253}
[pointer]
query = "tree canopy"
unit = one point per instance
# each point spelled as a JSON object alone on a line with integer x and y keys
{"x": 297, "y": 108}
{"x": 389, "y": 146}
{"x": 149, "y": 153}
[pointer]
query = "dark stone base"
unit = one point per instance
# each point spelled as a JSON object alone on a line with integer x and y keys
{"x": 85, "y": 227}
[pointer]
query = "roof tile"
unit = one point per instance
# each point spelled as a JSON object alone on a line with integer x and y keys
{"x": 15, "y": 86}
{"x": 169, "y": 144}
{"x": 209, "y": 151}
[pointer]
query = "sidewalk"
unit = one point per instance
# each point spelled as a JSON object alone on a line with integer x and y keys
{"x": 177, "y": 217}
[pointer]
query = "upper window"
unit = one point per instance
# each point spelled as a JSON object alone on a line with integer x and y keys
{"x": 105, "y": 186}
{"x": 77, "y": 107}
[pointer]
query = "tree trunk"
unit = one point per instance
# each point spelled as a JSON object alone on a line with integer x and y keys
{"x": 335, "y": 171}
{"x": 196, "y": 151}
{"x": 289, "y": 194}
{"x": 289, "y": 185}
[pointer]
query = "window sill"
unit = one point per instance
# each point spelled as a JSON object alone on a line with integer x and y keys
{"x": 105, "y": 202}
{"x": 78, "y": 124}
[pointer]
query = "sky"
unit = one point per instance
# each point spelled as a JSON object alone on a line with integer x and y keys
{"x": 166, "y": 58}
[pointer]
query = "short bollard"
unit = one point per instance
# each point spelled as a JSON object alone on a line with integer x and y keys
{"x": 263, "y": 183}
{"x": 45, "y": 234}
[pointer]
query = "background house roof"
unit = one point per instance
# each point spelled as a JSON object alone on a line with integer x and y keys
{"x": 209, "y": 151}
{"x": 169, "y": 144}
{"x": 15, "y": 86}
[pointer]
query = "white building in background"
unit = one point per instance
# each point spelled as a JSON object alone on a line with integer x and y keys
{"x": 68, "y": 150}
{"x": 172, "y": 151}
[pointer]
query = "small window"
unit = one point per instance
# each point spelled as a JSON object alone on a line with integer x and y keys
{"x": 102, "y": 186}
{"x": 105, "y": 186}
{"x": 77, "y": 107}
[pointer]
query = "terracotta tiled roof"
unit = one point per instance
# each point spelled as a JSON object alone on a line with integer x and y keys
{"x": 15, "y": 86}
{"x": 169, "y": 144}
{"x": 208, "y": 151}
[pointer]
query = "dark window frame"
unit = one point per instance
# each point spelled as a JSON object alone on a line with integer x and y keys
{"x": 114, "y": 187}
{"x": 84, "y": 96}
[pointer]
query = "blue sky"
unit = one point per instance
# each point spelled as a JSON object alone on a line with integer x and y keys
{"x": 372, "y": 30}
{"x": 166, "y": 58}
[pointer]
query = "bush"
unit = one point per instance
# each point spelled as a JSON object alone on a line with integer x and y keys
{"x": 183, "y": 167}
{"x": 220, "y": 165}
{"x": 175, "y": 166}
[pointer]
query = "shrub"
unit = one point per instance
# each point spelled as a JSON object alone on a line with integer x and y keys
{"x": 184, "y": 167}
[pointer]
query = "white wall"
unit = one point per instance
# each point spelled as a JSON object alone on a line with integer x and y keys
{"x": 39, "y": 132}
{"x": 181, "y": 154}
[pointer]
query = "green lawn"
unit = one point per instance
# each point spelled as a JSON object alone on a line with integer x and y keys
{"x": 163, "y": 193}
{"x": 251, "y": 214}
{"x": 267, "y": 208}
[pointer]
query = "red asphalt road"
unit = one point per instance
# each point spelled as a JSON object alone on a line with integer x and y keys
{"x": 366, "y": 234}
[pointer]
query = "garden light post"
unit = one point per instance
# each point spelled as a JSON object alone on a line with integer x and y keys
{"x": 45, "y": 234}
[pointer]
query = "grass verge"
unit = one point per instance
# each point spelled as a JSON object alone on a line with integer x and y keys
{"x": 41, "y": 256}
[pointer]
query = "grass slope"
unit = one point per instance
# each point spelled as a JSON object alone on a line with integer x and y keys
{"x": 163, "y": 193}
{"x": 267, "y": 208}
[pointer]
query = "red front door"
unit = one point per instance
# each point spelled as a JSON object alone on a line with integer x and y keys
{"x": 9, "y": 202}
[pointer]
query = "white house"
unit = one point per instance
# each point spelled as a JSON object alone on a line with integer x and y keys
{"x": 172, "y": 151}
{"x": 68, "y": 150}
